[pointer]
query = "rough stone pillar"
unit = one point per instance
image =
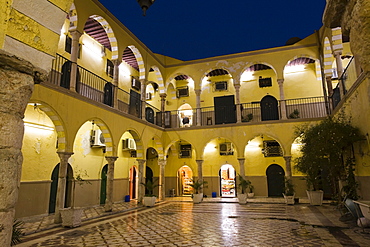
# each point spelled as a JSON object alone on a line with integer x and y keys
{"x": 110, "y": 179}
{"x": 116, "y": 64}
{"x": 143, "y": 97}
{"x": 200, "y": 172}
{"x": 199, "y": 112}
{"x": 288, "y": 166}
{"x": 238, "y": 105}
{"x": 162, "y": 187}
{"x": 241, "y": 165}
{"x": 163, "y": 108}
{"x": 62, "y": 181}
{"x": 282, "y": 99}
{"x": 16, "y": 86}
{"x": 74, "y": 55}
{"x": 141, "y": 180}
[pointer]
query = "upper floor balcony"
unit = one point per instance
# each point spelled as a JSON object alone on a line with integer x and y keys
{"x": 224, "y": 111}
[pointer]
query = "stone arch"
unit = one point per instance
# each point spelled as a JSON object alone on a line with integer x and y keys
{"x": 140, "y": 152}
{"x": 328, "y": 57}
{"x": 157, "y": 145}
{"x": 336, "y": 39}
{"x": 107, "y": 136}
{"x": 73, "y": 19}
{"x": 175, "y": 148}
{"x": 58, "y": 123}
{"x": 109, "y": 31}
{"x": 255, "y": 63}
{"x": 159, "y": 77}
{"x": 203, "y": 78}
{"x": 262, "y": 136}
{"x": 140, "y": 61}
{"x": 220, "y": 140}
{"x": 317, "y": 64}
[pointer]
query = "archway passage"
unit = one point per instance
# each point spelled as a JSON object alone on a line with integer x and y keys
{"x": 54, "y": 188}
{"x": 148, "y": 177}
{"x": 227, "y": 175}
{"x": 103, "y": 185}
{"x": 275, "y": 180}
{"x": 133, "y": 182}
{"x": 185, "y": 175}
{"x": 269, "y": 108}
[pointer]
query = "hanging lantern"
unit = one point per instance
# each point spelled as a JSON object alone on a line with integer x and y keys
{"x": 145, "y": 4}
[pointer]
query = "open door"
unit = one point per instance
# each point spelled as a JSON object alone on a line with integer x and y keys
{"x": 225, "y": 109}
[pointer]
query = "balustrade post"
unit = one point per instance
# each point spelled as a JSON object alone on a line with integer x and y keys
{"x": 163, "y": 105}
{"x": 282, "y": 99}
{"x": 199, "y": 110}
{"x": 238, "y": 105}
{"x": 74, "y": 56}
{"x": 116, "y": 64}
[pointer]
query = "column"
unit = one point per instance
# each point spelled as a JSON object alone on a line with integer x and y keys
{"x": 62, "y": 181}
{"x": 238, "y": 105}
{"x": 241, "y": 165}
{"x": 143, "y": 97}
{"x": 288, "y": 166}
{"x": 141, "y": 188}
{"x": 282, "y": 99}
{"x": 199, "y": 113}
{"x": 110, "y": 179}
{"x": 162, "y": 187}
{"x": 115, "y": 82}
{"x": 74, "y": 55}
{"x": 163, "y": 105}
{"x": 200, "y": 172}
{"x": 17, "y": 82}
{"x": 338, "y": 60}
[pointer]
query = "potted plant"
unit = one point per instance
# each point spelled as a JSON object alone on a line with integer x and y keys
{"x": 243, "y": 185}
{"x": 289, "y": 191}
{"x": 71, "y": 217}
{"x": 325, "y": 147}
{"x": 149, "y": 198}
{"x": 197, "y": 186}
{"x": 250, "y": 190}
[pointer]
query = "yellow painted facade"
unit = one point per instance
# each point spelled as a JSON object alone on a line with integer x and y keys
{"x": 63, "y": 120}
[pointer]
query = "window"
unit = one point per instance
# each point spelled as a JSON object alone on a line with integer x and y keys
{"x": 265, "y": 82}
{"x": 110, "y": 68}
{"x": 68, "y": 45}
{"x": 185, "y": 151}
{"x": 220, "y": 86}
{"x": 136, "y": 84}
{"x": 182, "y": 92}
{"x": 272, "y": 149}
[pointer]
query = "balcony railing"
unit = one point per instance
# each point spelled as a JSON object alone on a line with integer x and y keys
{"x": 100, "y": 90}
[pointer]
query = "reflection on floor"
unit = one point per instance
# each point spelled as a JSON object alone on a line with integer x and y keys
{"x": 179, "y": 223}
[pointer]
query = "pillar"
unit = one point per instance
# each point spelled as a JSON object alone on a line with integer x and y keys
{"x": 74, "y": 55}
{"x": 288, "y": 166}
{"x": 199, "y": 112}
{"x": 241, "y": 166}
{"x": 163, "y": 109}
{"x": 143, "y": 97}
{"x": 116, "y": 64}
{"x": 17, "y": 79}
{"x": 282, "y": 99}
{"x": 141, "y": 188}
{"x": 162, "y": 187}
{"x": 238, "y": 105}
{"x": 200, "y": 172}
{"x": 62, "y": 181}
{"x": 110, "y": 179}
{"x": 338, "y": 60}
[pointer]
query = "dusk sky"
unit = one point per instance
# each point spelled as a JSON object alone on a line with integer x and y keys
{"x": 193, "y": 29}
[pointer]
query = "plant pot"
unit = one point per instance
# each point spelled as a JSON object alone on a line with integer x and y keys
{"x": 250, "y": 195}
{"x": 71, "y": 217}
{"x": 315, "y": 197}
{"x": 242, "y": 198}
{"x": 289, "y": 200}
{"x": 149, "y": 201}
{"x": 197, "y": 198}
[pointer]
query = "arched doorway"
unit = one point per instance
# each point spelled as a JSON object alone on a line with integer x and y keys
{"x": 269, "y": 108}
{"x": 54, "y": 188}
{"x": 108, "y": 94}
{"x": 185, "y": 114}
{"x": 275, "y": 180}
{"x": 184, "y": 175}
{"x": 148, "y": 177}
{"x": 133, "y": 182}
{"x": 227, "y": 175}
{"x": 149, "y": 115}
{"x": 66, "y": 75}
{"x": 103, "y": 184}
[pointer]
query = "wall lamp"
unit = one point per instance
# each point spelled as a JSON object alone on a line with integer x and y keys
{"x": 145, "y": 4}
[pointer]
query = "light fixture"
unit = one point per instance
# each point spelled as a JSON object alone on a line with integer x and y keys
{"x": 145, "y": 4}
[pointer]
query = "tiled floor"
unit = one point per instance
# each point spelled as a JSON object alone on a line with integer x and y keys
{"x": 179, "y": 223}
